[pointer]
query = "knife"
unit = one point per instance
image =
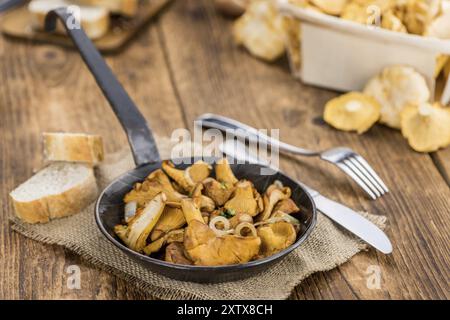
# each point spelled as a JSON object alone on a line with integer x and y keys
{"x": 342, "y": 215}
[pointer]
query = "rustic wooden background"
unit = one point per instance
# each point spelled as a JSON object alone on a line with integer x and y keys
{"x": 183, "y": 65}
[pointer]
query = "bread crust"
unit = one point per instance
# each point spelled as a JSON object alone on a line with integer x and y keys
{"x": 60, "y": 205}
{"x": 73, "y": 147}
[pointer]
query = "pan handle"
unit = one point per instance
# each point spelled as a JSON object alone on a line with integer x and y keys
{"x": 140, "y": 137}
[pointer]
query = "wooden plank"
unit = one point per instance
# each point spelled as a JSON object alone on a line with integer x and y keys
{"x": 441, "y": 160}
{"x": 212, "y": 75}
{"x": 46, "y": 88}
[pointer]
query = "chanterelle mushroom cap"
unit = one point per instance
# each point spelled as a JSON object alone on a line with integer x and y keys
{"x": 353, "y": 111}
{"x": 355, "y": 12}
{"x": 191, "y": 211}
{"x": 274, "y": 193}
{"x": 261, "y": 30}
{"x": 171, "y": 236}
{"x": 204, "y": 247}
{"x": 333, "y": 7}
{"x": 394, "y": 88}
{"x": 419, "y": 13}
{"x": 198, "y": 172}
{"x": 276, "y": 237}
{"x": 219, "y": 192}
{"x": 175, "y": 253}
{"x": 245, "y": 199}
{"x": 154, "y": 184}
{"x": 391, "y": 22}
{"x": 426, "y": 127}
{"x": 178, "y": 175}
{"x": 207, "y": 249}
{"x": 224, "y": 174}
{"x": 136, "y": 233}
{"x": 172, "y": 218}
{"x": 440, "y": 27}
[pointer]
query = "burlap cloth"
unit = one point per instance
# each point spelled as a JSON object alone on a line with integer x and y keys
{"x": 327, "y": 247}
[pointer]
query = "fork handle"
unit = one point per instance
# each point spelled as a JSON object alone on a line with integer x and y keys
{"x": 244, "y": 131}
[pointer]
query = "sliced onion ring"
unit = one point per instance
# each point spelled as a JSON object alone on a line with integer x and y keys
{"x": 130, "y": 210}
{"x": 226, "y": 225}
{"x": 243, "y": 225}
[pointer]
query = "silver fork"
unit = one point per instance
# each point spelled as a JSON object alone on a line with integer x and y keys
{"x": 345, "y": 159}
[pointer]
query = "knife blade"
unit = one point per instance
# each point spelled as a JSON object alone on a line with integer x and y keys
{"x": 342, "y": 215}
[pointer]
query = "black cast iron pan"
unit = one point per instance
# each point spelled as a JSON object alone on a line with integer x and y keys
{"x": 109, "y": 209}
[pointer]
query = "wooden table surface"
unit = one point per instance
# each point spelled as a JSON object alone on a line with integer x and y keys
{"x": 179, "y": 67}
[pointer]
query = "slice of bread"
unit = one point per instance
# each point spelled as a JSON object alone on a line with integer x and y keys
{"x": 73, "y": 147}
{"x": 59, "y": 190}
{"x": 128, "y": 8}
{"x": 94, "y": 20}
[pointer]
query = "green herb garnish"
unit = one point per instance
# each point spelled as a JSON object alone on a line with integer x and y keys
{"x": 228, "y": 213}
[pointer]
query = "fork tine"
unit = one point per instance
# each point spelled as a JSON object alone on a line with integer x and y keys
{"x": 371, "y": 171}
{"x": 366, "y": 173}
{"x": 349, "y": 172}
{"x": 362, "y": 177}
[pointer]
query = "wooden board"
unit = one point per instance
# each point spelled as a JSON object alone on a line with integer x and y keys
{"x": 17, "y": 23}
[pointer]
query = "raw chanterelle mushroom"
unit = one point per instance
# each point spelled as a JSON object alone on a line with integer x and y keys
{"x": 205, "y": 248}
{"x": 274, "y": 193}
{"x": 276, "y": 237}
{"x": 172, "y": 236}
{"x": 353, "y": 111}
{"x": 233, "y": 8}
{"x": 245, "y": 199}
{"x": 154, "y": 184}
{"x": 135, "y": 234}
{"x": 333, "y": 7}
{"x": 187, "y": 179}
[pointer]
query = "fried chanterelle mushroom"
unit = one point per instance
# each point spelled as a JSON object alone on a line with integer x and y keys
{"x": 154, "y": 184}
{"x": 261, "y": 30}
{"x": 353, "y": 111}
{"x": 187, "y": 217}
{"x": 187, "y": 179}
{"x": 394, "y": 88}
{"x": 333, "y": 7}
{"x": 172, "y": 218}
{"x": 426, "y": 126}
{"x": 276, "y": 237}
{"x": 205, "y": 248}
{"x": 135, "y": 234}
